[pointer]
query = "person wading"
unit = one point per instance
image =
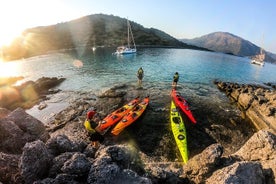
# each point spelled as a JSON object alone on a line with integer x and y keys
{"x": 140, "y": 75}
{"x": 91, "y": 126}
{"x": 175, "y": 79}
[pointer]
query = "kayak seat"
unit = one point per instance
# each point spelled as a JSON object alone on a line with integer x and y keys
{"x": 176, "y": 120}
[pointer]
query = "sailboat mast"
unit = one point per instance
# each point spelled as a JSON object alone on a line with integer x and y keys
{"x": 128, "y": 28}
{"x": 132, "y": 38}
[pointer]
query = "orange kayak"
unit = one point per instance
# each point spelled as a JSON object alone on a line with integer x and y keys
{"x": 131, "y": 117}
{"x": 181, "y": 103}
{"x": 116, "y": 116}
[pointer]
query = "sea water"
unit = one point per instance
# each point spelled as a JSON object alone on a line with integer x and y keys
{"x": 95, "y": 70}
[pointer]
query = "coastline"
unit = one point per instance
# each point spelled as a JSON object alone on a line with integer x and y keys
{"x": 147, "y": 145}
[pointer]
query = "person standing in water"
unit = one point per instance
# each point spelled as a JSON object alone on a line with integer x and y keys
{"x": 140, "y": 75}
{"x": 175, "y": 79}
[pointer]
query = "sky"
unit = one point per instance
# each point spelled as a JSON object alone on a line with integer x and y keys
{"x": 253, "y": 20}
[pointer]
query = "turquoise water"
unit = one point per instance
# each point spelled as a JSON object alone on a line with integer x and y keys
{"x": 100, "y": 69}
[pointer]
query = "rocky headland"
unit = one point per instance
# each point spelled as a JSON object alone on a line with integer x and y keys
{"x": 224, "y": 150}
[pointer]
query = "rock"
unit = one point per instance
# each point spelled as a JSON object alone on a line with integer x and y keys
{"x": 43, "y": 84}
{"x": 35, "y": 161}
{"x": 129, "y": 176}
{"x": 241, "y": 172}
{"x": 4, "y": 112}
{"x": 19, "y": 128}
{"x": 12, "y": 138}
{"x": 27, "y": 94}
{"x": 260, "y": 147}
{"x": 78, "y": 165}
{"x": 29, "y": 124}
{"x": 257, "y": 102}
{"x": 58, "y": 163}
{"x": 60, "y": 144}
{"x": 61, "y": 178}
{"x": 9, "y": 168}
{"x": 110, "y": 162}
{"x": 203, "y": 165}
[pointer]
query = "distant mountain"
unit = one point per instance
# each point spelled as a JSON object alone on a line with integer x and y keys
{"x": 86, "y": 32}
{"x": 230, "y": 44}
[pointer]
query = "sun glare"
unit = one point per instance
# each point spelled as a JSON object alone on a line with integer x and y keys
{"x": 9, "y": 69}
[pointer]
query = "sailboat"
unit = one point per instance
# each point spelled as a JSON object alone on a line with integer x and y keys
{"x": 259, "y": 58}
{"x": 129, "y": 49}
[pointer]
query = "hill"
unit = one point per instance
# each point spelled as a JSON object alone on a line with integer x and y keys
{"x": 88, "y": 31}
{"x": 230, "y": 44}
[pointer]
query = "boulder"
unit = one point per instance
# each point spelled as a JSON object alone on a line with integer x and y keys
{"x": 29, "y": 124}
{"x": 241, "y": 172}
{"x": 260, "y": 147}
{"x": 60, "y": 144}
{"x": 12, "y": 138}
{"x": 77, "y": 165}
{"x": 204, "y": 164}
{"x": 9, "y": 168}
{"x": 35, "y": 161}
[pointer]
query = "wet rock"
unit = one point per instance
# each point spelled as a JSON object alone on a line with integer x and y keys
{"x": 35, "y": 161}
{"x": 201, "y": 166}
{"x": 241, "y": 172}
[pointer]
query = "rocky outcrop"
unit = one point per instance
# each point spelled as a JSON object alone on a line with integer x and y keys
{"x": 17, "y": 129}
{"x": 257, "y": 102}
{"x": 28, "y": 94}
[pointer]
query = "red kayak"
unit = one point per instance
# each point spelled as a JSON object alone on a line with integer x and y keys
{"x": 181, "y": 103}
{"x": 131, "y": 117}
{"x": 116, "y": 116}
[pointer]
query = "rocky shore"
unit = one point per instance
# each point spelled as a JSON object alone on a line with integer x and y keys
{"x": 257, "y": 102}
{"x": 60, "y": 152}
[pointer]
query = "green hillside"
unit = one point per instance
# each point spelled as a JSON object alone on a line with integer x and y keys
{"x": 88, "y": 31}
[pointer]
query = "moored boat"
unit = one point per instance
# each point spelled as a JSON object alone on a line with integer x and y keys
{"x": 179, "y": 132}
{"x": 131, "y": 117}
{"x": 130, "y": 48}
{"x": 181, "y": 103}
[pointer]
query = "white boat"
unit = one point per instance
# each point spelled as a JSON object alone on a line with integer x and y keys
{"x": 258, "y": 59}
{"x": 129, "y": 49}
